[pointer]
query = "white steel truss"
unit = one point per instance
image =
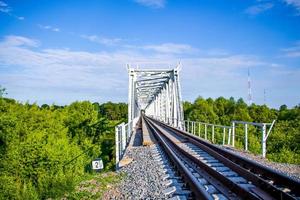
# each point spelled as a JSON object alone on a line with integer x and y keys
{"x": 157, "y": 91}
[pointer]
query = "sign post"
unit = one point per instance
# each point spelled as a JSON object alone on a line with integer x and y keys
{"x": 97, "y": 164}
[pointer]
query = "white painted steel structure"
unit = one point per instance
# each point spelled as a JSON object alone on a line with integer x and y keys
{"x": 157, "y": 91}
{"x": 264, "y": 131}
{"x": 228, "y": 132}
{"x": 123, "y": 134}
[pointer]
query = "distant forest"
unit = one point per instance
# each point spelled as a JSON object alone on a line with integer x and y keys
{"x": 283, "y": 144}
{"x": 46, "y": 150}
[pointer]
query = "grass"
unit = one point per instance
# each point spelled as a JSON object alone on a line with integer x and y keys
{"x": 94, "y": 186}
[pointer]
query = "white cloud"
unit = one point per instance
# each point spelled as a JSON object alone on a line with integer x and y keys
{"x": 102, "y": 40}
{"x": 8, "y": 10}
{"x": 171, "y": 48}
{"x": 47, "y": 27}
{"x": 152, "y": 3}
{"x": 4, "y": 7}
{"x": 295, "y": 3}
{"x": 259, "y": 8}
{"x": 13, "y": 41}
{"x": 3, "y": 4}
{"x": 292, "y": 52}
{"x": 62, "y": 76}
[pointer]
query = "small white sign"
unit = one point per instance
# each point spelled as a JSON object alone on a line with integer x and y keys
{"x": 97, "y": 164}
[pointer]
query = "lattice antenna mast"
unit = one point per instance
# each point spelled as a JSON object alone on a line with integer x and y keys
{"x": 249, "y": 88}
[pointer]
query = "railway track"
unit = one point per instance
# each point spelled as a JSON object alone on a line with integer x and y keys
{"x": 214, "y": 173}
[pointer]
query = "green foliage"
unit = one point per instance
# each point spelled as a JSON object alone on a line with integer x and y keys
{"x": 113, "y": 111}
{"x": 45, "y": 150}
{"x": 283, "y": 144}
{"x": 2, "y": 91}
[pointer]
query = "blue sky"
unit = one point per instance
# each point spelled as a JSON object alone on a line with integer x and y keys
{"x": 61, "y": 51}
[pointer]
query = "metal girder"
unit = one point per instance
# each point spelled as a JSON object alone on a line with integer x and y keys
{"x": 157, "y": 91}
{"x": 150, "y": 86}
{"x": 153, "y": 79}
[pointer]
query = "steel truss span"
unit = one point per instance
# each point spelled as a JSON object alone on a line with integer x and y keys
{"x": 157, "y": 92}
{"x": 214, "y": 173}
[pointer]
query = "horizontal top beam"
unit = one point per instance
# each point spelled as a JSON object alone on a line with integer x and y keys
{"x": 150, "y": 70}
{"x": 164, "y": 78}
{"x": 251, "y": 123}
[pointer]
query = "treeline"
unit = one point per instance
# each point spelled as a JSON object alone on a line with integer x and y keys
{"x": 45, "y": 150}
{"x": 283, "y": 144}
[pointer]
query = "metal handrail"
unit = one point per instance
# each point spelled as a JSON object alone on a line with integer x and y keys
{"x": 186, "y": 125}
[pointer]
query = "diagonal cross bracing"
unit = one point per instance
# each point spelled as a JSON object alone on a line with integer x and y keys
{"x": 157, "y": 91}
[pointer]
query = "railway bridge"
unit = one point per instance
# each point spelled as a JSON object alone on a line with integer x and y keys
{"x": 190, "y": 153}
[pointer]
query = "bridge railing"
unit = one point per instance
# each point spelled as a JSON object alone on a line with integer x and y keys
{"x": 208, "y": 131}
{"x": 218, "y": 134}
{"x": 123, "y": 134}
{"x": 265, "y": 131}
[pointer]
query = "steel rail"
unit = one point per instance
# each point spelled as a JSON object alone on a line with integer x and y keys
{"x": 197, "y": 189}
{"x": 261, "y": 176}
{"x": 241, "y": 192}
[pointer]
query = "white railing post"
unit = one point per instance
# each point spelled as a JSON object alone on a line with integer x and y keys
{"x": 117, "y": 146}
{"x": 199, "y": 130}
{"x": 224, "y": 132}
{"x": 229, "y": 136}
{"x": 123, "y": 137}
{"x": 213, "y": 134}
{"x": 195, "y": 128}
{"x": 263, "y": 141}
{"x": 246, "y": 137}
{"x": 233, "y": 133}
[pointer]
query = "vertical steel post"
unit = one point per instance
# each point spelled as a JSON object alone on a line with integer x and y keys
{"x": 130, "y": 96}
{"x": 117, "y": 146}
{"x": 246, "y": 137}
{"x": 123, "y": 137}
{"x": 233, "y": 133}
{"x": 213, "y": 134}
{"x": 178, "y": 89}
{"x": 263, "y": 141}
{"x": 229, "y": 136}
{"x": 224, "y": 133}
{"x": 199, "y": 130}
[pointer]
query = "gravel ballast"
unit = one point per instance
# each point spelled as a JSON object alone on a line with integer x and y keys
{"x": 147, "y": 176}
{"x": 291, "y": 170}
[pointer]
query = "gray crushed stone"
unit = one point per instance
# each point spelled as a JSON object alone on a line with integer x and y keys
{"x": 291, "y": 170}
{"x": 144, "y": 175}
